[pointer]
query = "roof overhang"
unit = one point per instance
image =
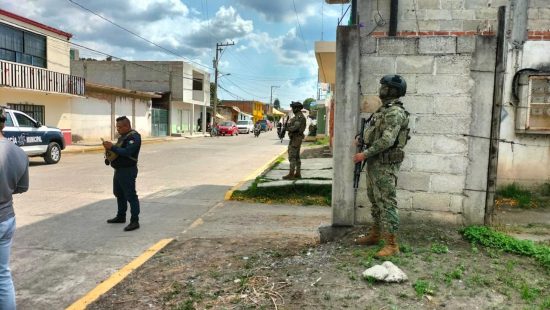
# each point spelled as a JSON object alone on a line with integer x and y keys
{"x": 123, "y": 91}
{"x": 21, "y": 19}
{"x": 325, "y": 53}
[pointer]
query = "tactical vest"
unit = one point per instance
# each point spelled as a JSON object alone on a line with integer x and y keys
{"x": 111, "y": 156}
{"x": 395, "y": 153}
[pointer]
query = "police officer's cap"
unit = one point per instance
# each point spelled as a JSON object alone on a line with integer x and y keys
{"x": 395, "y": 81}
{"x": 296, "y": 104}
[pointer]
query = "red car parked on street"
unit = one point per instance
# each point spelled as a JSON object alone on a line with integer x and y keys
{"x": 228, "y": 128}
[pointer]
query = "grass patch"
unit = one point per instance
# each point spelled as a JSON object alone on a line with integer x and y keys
{"x": 302, "y": 194}
{"x": 538, "y": 196}
{"x": 497, "y": 240}
{"x": 423, "y": 287}
{"x": 322, "y": 141}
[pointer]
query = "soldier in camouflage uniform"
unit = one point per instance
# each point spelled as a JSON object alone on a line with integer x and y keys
{"x": 295, "y": 128}
{"x": 385, "y": 139}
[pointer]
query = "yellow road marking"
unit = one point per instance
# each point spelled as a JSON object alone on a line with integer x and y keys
{"x": 252, "y": 176}
{"x": 118, "y": 276}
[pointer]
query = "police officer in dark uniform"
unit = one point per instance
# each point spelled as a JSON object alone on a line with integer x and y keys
{"x": 123, "y": 157}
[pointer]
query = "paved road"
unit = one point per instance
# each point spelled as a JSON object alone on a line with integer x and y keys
{"x": 63, "y": 247}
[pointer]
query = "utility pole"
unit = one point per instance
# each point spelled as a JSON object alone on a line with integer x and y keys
{"x": 271, "y": 96}
{"x": 219, "y": 50}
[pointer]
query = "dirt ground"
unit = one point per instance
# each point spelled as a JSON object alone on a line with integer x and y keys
{"x": 288, "y": 270}
{"x": 292, "y": 273}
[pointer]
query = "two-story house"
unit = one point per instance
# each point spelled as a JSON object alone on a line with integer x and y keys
{"x": 184, "y": 89}
{"x": 35, "y": 70}
{"x": 255, "y": 108}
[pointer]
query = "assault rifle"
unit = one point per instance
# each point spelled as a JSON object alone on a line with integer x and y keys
{"x": 360, "y": 148}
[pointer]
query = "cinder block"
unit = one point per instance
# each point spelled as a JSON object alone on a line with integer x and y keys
{"x": 448, "y": 105}
{"x": 397, "y": 46}
{"x": 404, "y": 199}
{"x": 417, "y": 217}
{"x": 428, "y": 25}
{"x": 437, "y": 45}
{"x": 415, "y": 64}
{"x": 449, "y": 145}
{"x": 463, "y": 14}
{"x": 419, "y": 104}
{"x": 538, "y": 3}
{"x": 447, "y": 183}
{"x": 452, "y": 5}
{"x": 452, "y": 64}
{"x": 465, "y": 45}
{"x": 442, "y": 125}
{"x": 457, "y": 201}
{"x": 427, "y": 4}
{"x": 407, "y": 164}
{"x": 475, "y": 4}
{"x": 370, "y": 84}
{"x": 450, "y": 25}
{"x": 532, "y": 13}
{"x": 487, "y": 13}
{"x": 474, "y": 25}
{"x": 438, "y": 14}
{"x": 443, "y": 84}
{"x": 368, "y": 44}
{"x": 452, "y": 164}
{"x": 411, "y": 82}
{"x": 378, "y": 65}
{"x": 413, "y": 181}
{"x": 544, "y": 13}
{"x": 431, "y": 201}
{"x": 419, "y": 144}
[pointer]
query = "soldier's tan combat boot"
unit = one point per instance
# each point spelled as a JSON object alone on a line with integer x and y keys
{"x": 372, "y": 237}
{"x": 297, "y": 175}
{"x": 290, "y": 175}
{"x": 391, "y": 247}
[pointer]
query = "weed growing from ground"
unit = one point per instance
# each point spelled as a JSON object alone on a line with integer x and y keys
{"x": 497, "y": 240}
{"x": 439, "y": 248}
{"x": 423, "y": 287}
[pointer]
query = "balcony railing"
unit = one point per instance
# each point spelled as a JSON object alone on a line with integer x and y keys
{"x": 28, "y": 77}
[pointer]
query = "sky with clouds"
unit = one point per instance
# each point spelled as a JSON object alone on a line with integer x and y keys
{"x": 274, "y": 39}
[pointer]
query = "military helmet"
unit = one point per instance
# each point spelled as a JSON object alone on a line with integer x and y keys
{"x": 296, "y": 104}
{"x": 395, "y": 81}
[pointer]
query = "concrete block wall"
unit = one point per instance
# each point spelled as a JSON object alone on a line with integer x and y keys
{"x": 450, "y": 17}
{"x": 433, "y": 176}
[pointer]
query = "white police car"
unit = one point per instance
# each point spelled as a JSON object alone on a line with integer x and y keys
{"x": 34, "y": 138}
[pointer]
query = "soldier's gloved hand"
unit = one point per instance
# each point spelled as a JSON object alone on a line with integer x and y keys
{"x": 107, "y": 162}
{"x": 359, "y": 157}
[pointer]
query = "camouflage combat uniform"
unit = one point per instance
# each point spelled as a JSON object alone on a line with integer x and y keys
{"x": 385, "y": 138}
{"x": 295, "y": 128}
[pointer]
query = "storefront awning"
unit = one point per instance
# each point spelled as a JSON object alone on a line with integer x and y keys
{"x": 277, "y": 112}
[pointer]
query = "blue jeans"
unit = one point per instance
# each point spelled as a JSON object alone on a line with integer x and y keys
{"x": 7, "y": 292}
{"x": 124, "y": 189}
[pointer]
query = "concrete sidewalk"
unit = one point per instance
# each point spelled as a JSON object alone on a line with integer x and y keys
{"x": 88, "y": 146}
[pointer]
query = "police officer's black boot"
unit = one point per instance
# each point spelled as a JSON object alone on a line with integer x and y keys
{"x": 132, "y": 226}
{"x": 117, "y": 219}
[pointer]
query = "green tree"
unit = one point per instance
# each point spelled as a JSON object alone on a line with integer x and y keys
{"x": 307, "y": 103}
{"x": 277, "y": 103}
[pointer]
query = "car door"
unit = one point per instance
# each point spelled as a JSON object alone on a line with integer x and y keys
{"x": 11, "y": 132}
{"x": 32, "y": 137}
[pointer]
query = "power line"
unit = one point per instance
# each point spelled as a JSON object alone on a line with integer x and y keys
{"x": 135, "y": 34}
{"x": 299, "y": 26}
{"x": 239, "y": 87}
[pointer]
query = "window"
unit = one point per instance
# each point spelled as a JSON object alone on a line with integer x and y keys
{"x": 9, "y": 121}
{"x": 35, "y": 111}
{"x": 23, "y": 120}
{"x": 197, "y": 84}
{"x": 22, "y": 46}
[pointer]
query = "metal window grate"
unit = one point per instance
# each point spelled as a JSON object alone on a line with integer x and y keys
{"x": 35, "y": 111}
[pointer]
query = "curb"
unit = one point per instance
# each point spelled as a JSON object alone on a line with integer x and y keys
{"x": 118, "y": 276}
{"x": 253, "y": 175}
{"x": 98, "y": 147}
